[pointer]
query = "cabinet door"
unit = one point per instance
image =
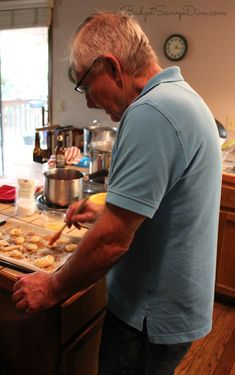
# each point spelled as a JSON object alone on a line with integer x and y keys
{"x": 78, "y": 310}
{"x": 81, "y": 356}
{"x": 225, "y": 278}
{"x": 29, "y": 344}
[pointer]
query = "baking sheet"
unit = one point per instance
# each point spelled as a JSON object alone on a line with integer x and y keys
{"x": 28, "y": 230}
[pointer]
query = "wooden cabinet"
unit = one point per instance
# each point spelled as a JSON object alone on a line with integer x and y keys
{"x": 60, "y": 341}
{"x": 225, "y": 275}
{"x": 225, "y": 278}
{"x": 28, "y": 344}
{"x": 81, "y": 354}
{"x": 81, "y": 319}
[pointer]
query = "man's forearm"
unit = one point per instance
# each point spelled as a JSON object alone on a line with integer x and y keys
{"x": 86, "y": 265}
{"x": 101, "y": 248}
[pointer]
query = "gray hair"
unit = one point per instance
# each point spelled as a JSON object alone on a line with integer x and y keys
{"x": 112, "y": 33}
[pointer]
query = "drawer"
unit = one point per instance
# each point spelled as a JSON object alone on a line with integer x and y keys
{"x": 81, "y": 355}
{"x": 81, "y": 308}
{"x": 228, "y": 196}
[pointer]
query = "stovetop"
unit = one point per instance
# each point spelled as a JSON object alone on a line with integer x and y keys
{"x": 43, "y": 204}
{"x": 89, "y": 188}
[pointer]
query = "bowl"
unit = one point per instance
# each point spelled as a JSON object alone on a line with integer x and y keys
{"x": 52, "y": 220}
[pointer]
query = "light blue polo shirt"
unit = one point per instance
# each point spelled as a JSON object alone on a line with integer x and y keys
{"x": 166, "y": 165}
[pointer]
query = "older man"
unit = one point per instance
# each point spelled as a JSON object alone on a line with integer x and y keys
{"x": 156, "y": 236}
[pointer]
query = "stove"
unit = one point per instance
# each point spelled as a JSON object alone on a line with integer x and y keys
{"x": 43, "y": 204}
{"x": 89, "y": 188}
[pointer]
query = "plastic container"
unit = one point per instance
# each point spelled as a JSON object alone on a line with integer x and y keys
{"x": 25, "y": 201}
{"x": 52, "y": 220}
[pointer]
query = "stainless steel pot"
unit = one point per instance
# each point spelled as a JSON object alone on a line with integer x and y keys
{"x": 63, "y": 186}
{"x": 101, "y": 138}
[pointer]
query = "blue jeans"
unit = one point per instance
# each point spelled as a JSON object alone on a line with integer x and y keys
{"x": 126, "y": 351}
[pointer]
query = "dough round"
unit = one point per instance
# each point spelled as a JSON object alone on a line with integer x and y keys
{"x": 19, "y": 240}
{"x": 70, "y": 247}
{"x": 15, "y": 231}
{"x": 16, "y": 254}
{"x": 32, "y": 247}
{"x": 35, "y": 239}
{"x": 45, "y": 261}
{"x": 3, "y": 243}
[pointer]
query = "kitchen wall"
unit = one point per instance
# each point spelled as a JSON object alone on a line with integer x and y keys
{"x": 209, "y": 65}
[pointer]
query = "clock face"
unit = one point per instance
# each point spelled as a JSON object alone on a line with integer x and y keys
{"x": 175, "y": 47}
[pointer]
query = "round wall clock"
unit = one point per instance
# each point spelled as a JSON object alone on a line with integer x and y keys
{"x": 175, "y": 47}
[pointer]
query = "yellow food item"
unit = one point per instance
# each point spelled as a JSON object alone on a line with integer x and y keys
{"x": 3, "y": 243}
{"x": 70, "y": 247}
{"x": 45, "y": 261}
{"x": 15, "y": 231}
{"x": 12, "y": 247}
{"x": 35, "y": 239}
{"x": 32, "y": 246}
{"x": 98, "y": 198}
{"x": 53, "y": 225}
{"x": 19, "y": 240}
{"x": 16, "y": 254}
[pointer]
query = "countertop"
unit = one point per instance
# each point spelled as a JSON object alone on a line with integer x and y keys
{"x": 7, "y": 210}
{"x": 8, "y": 275}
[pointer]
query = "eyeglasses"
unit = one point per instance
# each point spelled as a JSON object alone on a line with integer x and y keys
{"x": 82, "y": 89}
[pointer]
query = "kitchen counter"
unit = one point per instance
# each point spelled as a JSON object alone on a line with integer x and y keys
{"x": 62, "y": 340}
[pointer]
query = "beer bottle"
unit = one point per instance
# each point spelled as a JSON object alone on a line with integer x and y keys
{"x": 59, "y": 152}
{"x": 37, "y": 151}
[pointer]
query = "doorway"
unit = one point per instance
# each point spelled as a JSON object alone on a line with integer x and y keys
{"x": 24, "y": 62}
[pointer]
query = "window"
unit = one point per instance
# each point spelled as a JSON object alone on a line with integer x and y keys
{"x": 24, "y": 90}
{"x": 24, "y": 62}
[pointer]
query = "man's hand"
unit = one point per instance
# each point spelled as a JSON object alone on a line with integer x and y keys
{"x": 34, "y": 292}
{"x": 89, "y": 213}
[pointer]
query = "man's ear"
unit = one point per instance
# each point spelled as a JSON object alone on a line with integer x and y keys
{"x": 114, "y": 68}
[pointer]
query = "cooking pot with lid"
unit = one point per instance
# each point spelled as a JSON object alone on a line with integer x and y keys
{"x": 100, "y": 137}
{"x": 99, "y": 140}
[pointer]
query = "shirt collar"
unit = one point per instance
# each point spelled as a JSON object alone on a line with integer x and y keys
{"x": 171, "y": 74}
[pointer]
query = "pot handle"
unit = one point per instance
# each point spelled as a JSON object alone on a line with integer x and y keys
{"x": 100, "y": 173}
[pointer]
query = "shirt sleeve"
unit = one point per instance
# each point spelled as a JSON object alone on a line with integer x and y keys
{"x": 147, "y": 161}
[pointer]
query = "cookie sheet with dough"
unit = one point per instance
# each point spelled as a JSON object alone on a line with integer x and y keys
{"x": 26, "y": 245}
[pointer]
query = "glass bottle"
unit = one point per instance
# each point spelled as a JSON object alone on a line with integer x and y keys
{"x": 60, "y": 152}
{"x": 37, "y": 151}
